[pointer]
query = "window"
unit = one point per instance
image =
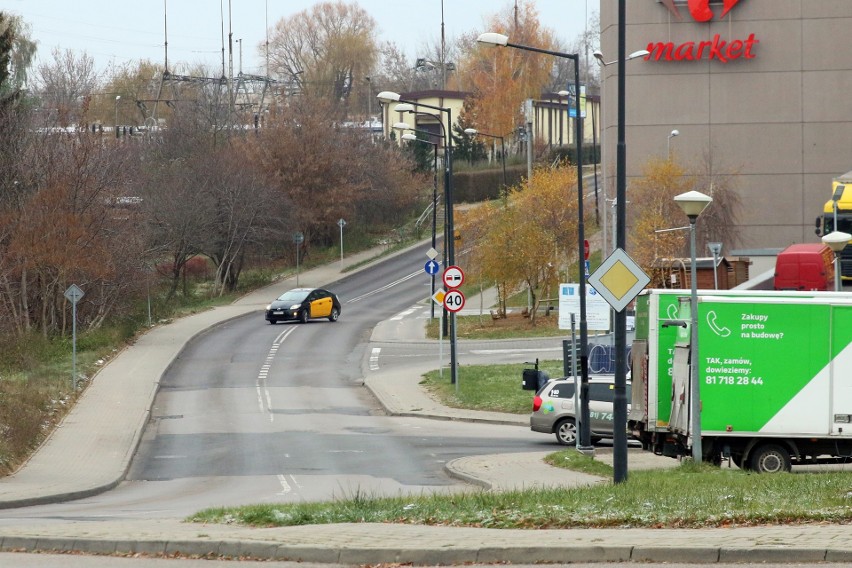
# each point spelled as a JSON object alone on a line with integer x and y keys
{"x": 562, "y": 390}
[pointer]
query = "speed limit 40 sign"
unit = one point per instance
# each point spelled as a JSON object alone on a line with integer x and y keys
{"x": 454, "y": 300}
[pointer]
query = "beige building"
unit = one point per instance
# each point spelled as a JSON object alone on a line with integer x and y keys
{"x": 760, "y": 91}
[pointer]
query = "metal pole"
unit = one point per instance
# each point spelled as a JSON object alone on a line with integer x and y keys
{"x": 503, "y": 153}
{"x": 74, "y": 346}
{"x": 620, "y": 393}
{"x": 297, "y": 265}
{"x": 585, "y": 432}
{"x": 837, "y": 283}
{"x": 694, "y": 390}
{"x": 341, "y": 223}
{"x": 450, "y": 238}
{"x": 434, "y": 220}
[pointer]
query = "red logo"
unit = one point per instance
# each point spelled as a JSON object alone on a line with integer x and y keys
{"x": 700, "y": 9}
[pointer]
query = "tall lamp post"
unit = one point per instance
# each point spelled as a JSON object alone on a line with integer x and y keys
{"x": 837, "y": 241}
{"x": 117, "y": 98}
{"x": 669, "y": 143}
{"x": 449, "y": 238}
{"x": 503, "y": 41}
{"x": 475, "y": 132}
{"x": 411, "y": 137}
{"x": 693, "y": 203}
{"x": 604, "y": 63}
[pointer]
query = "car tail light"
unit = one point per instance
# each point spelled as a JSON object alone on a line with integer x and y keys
{"x": 536, "y": 403}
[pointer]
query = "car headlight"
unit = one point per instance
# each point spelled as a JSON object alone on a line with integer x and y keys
{"x": 295, "y": 306}
{"x": 269, "y": 307}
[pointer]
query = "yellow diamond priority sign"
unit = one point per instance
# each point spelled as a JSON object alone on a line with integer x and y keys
{"x": 619, "y": 279}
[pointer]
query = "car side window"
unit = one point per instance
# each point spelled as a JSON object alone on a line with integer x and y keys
{"x": 601, "y": 392}
{"x": 312, "y": 296}
{"x": 562, "y": 391}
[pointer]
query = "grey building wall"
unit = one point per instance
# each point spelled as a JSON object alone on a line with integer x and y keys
{"x": 780, "y": 122}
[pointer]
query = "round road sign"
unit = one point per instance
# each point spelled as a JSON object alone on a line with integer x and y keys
{"x": 454, "y": 300}
{"x": 453, "y": 277}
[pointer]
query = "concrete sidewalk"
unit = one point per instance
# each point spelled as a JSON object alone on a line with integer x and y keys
{"x": 91, "y": 450}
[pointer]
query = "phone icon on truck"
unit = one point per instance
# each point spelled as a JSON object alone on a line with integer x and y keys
{"x": 718, "y": 330}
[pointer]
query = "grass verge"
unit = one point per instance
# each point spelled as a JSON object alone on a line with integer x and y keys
{"x": 685, "y": 497}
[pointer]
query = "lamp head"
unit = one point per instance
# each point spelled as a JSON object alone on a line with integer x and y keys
{"x": 471, "y": 131}
{"x": 599, "y": 56}
{"x": 117, "y": 97}
{"x": 388, "y": 96}
{"x": 409, "y": 136}
{"x": 640, "y": 53}
{"x": 492, "y": 38}
{"x": 674, "y": 133}
{"x": 401, "y": 126}
{"x": 564, "y": 93}
{"x": 837, "y": 240}
{"x": 693, "y": 203}
{"x": 404, "y": 107}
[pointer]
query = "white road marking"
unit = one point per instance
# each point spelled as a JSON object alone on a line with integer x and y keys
{"x": 385, "y": 287}
{"x": 264, "y": 397}
{"x": 405, "y": 313}
{"x": 285, "y": 487}
{"x": 374, "y": 358}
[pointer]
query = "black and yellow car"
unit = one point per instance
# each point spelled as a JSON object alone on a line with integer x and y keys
{"x": 303, "y": 304}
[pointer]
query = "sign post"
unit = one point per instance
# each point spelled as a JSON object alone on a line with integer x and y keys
{"x": 299, "y": 238}
{"x": 453, "y": 277}
{"x": 73, "y": 294}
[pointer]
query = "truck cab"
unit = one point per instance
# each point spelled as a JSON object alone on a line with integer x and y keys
{"x": 837, "y": 216}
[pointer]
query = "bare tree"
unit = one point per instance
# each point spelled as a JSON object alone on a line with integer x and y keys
{"x": 325, "y": 50}
{"x": 65, "y": 86}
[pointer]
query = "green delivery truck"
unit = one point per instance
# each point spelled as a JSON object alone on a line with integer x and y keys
{"x": 774, "y": 373}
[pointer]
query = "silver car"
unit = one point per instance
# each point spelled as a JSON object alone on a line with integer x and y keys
{"x": 554, "y": 409}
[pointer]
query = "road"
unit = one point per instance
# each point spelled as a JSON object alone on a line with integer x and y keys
{"x": 256, "y": 413}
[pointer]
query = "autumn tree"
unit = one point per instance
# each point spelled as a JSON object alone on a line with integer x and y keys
{"x": 527, "y": 242}
{"x": 658, "y": 225}
{"x": 327, "y": 50}
{"x": 325, "y": 171}
{"x": 501, "y": 79}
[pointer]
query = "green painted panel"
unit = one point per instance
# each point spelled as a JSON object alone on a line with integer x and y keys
{"x": 755, "y": 357}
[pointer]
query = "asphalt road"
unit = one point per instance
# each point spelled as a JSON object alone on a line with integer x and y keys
{"x": 254, "y": 413}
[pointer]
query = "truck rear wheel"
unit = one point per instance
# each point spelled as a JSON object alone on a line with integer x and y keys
{"x": 770, "y": 458}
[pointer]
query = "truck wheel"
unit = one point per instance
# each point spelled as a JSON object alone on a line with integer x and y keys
{"x": 566, "y": 432}
{"x": 770, "y": 458}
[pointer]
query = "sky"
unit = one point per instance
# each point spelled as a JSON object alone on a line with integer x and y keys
{"x": 123, "y": 31}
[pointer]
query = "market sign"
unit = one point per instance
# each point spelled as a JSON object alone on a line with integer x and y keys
{"x": 718, "y": 49}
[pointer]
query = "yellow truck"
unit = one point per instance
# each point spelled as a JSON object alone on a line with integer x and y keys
{"x": 837, "y": 216}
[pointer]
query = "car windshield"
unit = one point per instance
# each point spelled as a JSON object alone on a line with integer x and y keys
{"x": 294, "y": 296}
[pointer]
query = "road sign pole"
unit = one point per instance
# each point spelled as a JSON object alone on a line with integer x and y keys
{"x": 74, "y": 346}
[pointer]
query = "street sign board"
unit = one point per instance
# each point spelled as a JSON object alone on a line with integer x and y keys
{"x": 432, "y": 253}
{"x": 431, "y": 267}
{"x": 74, "y": 294}
{"x": 298, "y": 238}
{"x": 453, "y": 277}
{"x": 619, "y": 279}
{"x": 597, "y": 309}
{"x": 438, "y": 297}
{"x": 586, "y": 249}
{"x": 454, "y": 300}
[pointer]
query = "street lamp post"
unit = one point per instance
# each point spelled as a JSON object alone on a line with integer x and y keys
{"x": 341, "y": 223}
{"x": 117, "y": 98}
{"x": 449, "y": 238}
{"x": 693, "y": 203}
{"x": 837, "y": 241}
{"x": 669, "y": 143}
{"x": 474, "y": 132}
{"x": 715, "y": 250}
{"x": 413, "y": 138}
{"x": 604, "y": 63}
{"x": 502, "y": 40}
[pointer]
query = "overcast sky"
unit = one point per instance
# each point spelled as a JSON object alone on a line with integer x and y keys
{"x": 121, "y": 31}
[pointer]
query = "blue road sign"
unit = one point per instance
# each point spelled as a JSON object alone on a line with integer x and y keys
{"x": 432, "y": 267}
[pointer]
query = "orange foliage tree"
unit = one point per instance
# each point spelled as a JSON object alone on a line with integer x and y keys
{"x": 528, "y": 241}
{"x": 500, "y": 79}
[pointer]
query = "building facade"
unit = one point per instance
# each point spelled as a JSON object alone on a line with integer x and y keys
{"x": 755, "y": 88}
